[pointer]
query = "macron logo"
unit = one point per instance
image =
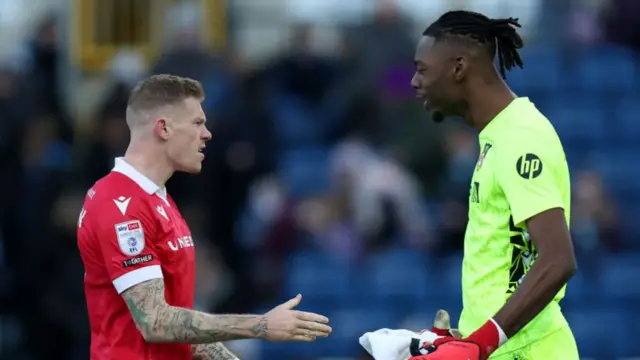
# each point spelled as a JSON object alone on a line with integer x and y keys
{"x": 162, "y": 212}
{"x": 122, "y": 203}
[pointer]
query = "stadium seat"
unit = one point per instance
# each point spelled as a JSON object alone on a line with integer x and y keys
{"x": 619, "y": 274}
{"x": 319, "y": 276}
{"x": 606, "y": 69}
{"x": 625, "y": 118}
{"x": 350, "y": 323}
{"x": 394, "y": 276}
{"x": 542, "y": 71}
{"x": 296, "y": 125}
{"x": 449, "y": 269}
{"x": 577, "y": 118}
{"x": 582, "y": 290}
{"x": 305, "y": 172}
{"x": 591, "y": 325}
{"x": 619, "y": 176}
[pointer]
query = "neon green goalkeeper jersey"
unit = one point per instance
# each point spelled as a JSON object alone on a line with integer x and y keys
{"x": 521, "y": 172}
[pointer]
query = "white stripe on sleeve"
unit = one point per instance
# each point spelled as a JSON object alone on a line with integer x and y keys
{"x": 137, "y": 276}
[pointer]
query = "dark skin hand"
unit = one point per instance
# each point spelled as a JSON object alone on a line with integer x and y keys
{"x": 555, "y": 265}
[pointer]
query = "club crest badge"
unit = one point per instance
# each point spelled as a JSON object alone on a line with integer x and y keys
{"x": 483, "y": 154}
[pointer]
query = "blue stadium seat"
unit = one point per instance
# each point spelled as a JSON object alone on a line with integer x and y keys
{"x": 349, "y": 324}
{"x": 449, "y": 275}
{"x": 626, "y": 118}
{"x": 305, "y": 172}
{"x": 395, "y": 275}
{"x": 619, "y": 274}
{"x": 582, "y": 290}
{"x": 296, "y": 125}
{"x": 591, "y": 325}
{"x": 541, "y": 73}
{"x": 606, "y": 69}
{"x": 616, "y": 168}
{"x": 577, "y": 118}
{"x": 319, "y": 277}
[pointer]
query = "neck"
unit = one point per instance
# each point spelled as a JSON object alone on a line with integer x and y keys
{"x": 148, "y": 164}
{"x": 486, "y": 103}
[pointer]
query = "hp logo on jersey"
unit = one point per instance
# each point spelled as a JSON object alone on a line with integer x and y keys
{"x": 529, "y": 166}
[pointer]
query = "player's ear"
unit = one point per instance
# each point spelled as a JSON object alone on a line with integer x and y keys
{"x": 460, "y": 68}
{"x": 161, "y": 129}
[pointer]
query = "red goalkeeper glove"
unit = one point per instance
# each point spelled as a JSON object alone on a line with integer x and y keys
{"x": 477, "y": 346}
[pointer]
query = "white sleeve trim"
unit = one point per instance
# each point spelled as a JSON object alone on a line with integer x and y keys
{"x": 502, "y": 336}
{"x": 137, "y": 276}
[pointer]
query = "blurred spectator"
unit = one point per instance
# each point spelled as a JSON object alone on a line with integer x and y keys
{"x": 44, "y": 79}
{"x": 111, "y": 134}
{"x": 299, "y": 84}
{"x": 586, "y": 20}
{"x": 622, "y": 15}
{"x": 384, "y": 199}
{"x": 462, "y": 152}
{"x": 595, "y": 220}
{"x": 388, "y": 30}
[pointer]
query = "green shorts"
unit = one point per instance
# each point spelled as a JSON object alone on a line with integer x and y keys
{"x": 559, "y": 345}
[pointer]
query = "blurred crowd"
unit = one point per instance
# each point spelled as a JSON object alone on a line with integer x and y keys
{"x": 322, "y": 163}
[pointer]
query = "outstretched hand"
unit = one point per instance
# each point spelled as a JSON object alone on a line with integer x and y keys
{"x": 283, "y": 323}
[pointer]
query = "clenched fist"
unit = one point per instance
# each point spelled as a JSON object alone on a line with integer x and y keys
{"x": 285, "y": 324}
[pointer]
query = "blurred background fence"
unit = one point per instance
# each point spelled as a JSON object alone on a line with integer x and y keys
{"x": 324, "y": 176}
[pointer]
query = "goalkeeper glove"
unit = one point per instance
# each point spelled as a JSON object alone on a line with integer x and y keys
{"x": 477, "y": 346}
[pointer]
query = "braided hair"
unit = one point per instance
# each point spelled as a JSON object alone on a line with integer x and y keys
{"x": 499, "y": 35}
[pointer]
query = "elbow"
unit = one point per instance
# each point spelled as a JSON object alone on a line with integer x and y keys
{"x": 150, "y": 330}
{"x": 562, "y": 268}
{"x": 566, "y": 267}
{"x": 148, "y": 335}
{"x": 570, "y": 269}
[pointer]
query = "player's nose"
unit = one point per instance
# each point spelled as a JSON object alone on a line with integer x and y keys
{"x": 415, "y": 84}
{"x": 206, "y": 135}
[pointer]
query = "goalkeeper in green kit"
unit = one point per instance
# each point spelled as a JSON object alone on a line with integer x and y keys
{"x": 518, "y": 253}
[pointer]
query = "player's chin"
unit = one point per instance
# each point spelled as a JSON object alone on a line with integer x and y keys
{"x": 193, "y": 167}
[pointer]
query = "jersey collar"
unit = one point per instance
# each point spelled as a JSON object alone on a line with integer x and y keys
{"x": 144, "y": 182}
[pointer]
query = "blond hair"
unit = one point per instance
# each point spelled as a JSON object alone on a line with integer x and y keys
{"x": 161, "y": 90}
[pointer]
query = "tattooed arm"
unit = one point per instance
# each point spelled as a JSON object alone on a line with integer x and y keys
{"x": 215, "y": 351}
{"x": 161, "y": 322}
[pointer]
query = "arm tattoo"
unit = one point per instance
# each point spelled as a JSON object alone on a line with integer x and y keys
{"x": 214, "y": 351}
{"x": 161, "y": 322}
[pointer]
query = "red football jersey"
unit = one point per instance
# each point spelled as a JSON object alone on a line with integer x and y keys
{"x": 130, "y": 231}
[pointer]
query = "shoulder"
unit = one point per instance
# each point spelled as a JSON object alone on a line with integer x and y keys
{"x": 532, "y": 135}
{"x": 115, "y": 197}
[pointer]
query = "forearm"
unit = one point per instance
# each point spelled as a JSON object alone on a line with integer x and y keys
{"x": 175, "y": 324}
{"x": 160, "y": 322}
{"x": 547, "y": 276}
{"x": 214, "y": 351}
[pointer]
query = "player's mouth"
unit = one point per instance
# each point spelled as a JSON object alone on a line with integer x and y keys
{"x": 201, "y": 151}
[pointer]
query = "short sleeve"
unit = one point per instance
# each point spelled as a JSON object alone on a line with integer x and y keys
{"x": 527, "y": 175}
{"x": 127, "y": 246}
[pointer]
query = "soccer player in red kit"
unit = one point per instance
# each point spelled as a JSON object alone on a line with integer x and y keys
{"x": 137, "y": 249}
